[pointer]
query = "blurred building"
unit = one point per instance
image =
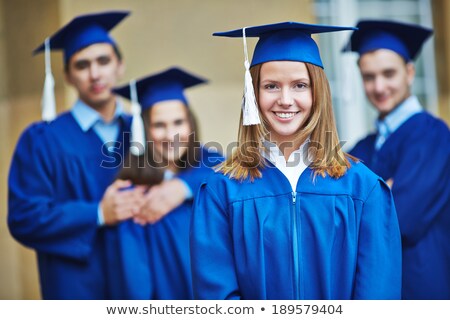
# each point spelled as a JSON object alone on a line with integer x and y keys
{"x": 159, "y": 34}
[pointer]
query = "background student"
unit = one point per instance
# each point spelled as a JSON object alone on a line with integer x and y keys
{"x": 410, "y": 150}
{"x": 173, "y": 165}
{"x": 62, "y": 200}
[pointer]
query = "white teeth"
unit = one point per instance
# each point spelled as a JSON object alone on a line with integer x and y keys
{"x": 285, "y": 115}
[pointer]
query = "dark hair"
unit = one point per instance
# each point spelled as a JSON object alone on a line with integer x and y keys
{"x": 140, "y": 171}
{"x": 148, "y": 169}
{"x": 116, "y": 49}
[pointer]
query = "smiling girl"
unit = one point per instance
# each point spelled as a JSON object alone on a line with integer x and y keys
{"x": 153, "y": 256}
{"x": 290, "y": 215}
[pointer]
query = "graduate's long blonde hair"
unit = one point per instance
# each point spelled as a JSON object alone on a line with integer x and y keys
{"x": 324, "y": 149}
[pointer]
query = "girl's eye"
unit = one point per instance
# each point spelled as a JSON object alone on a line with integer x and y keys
{"x": 179, "y": 122}
{"x": 158, "y": 125}
{"x": 301, "y": 85}
{"x": 270, "y": 86}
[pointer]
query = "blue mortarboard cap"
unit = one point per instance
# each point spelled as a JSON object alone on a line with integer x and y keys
{"x": 84, "y": 31}
{"x": 289, "y": 41}
{"x": 402, "y": 38}
{"x": 162, "y": 86}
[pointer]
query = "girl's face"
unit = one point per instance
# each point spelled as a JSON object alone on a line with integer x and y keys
{"x": 169, "y": 129}
{"x": 285, "y": 98}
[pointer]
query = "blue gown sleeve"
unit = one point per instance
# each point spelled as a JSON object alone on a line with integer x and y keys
{"x": 212, "y": 258}
{"x": 194, "y": 177}
{"x": 421, "y": 185}
{"x": 378, "y": 269}
{"x": 35, "y": 217}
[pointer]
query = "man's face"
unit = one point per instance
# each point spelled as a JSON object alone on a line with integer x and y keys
{"x": 94, "y": 71}
{"x": 387, "y": 79}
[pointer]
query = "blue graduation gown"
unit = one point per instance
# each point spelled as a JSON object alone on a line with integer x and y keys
{"x": 330, "y": 239}
{"x": 152, "y": 262}
{"x": 57, "y": 178}
{"x": 417, "y": 157}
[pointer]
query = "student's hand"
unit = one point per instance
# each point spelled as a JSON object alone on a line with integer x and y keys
{"x": 390, "y": 182}
{"x": 118, "y": 204}
{"x": 160, "y": 200}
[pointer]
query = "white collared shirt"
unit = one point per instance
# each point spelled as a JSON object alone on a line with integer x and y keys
{"x": 87, "y": 118}
{"x": 297, "y": 163}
